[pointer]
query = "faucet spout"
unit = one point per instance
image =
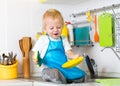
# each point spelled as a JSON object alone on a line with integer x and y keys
{"x": 104, "y": 49}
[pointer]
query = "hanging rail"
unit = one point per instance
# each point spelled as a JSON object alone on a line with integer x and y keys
{"x": 96, "y": 10}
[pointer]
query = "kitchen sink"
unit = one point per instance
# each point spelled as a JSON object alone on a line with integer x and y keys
{"x": 87, "y": 79}
{"x": 37, "y": 81}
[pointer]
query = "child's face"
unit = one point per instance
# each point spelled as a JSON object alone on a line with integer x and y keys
{"x": 53, "y": 27}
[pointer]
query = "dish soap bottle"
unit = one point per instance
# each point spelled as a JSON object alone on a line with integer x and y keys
{"x": 70, "y": 31}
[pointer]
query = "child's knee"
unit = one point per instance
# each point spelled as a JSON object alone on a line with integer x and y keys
{"x": 53, "y": 75}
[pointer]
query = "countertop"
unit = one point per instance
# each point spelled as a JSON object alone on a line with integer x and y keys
{"x": 37, "y": 81}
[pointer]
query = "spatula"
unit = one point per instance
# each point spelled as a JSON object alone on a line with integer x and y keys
{"x": 21, "y": 47}
{"x": 96, "y": 37}
{"x": 26, "y": 45}
{"x": 26, "y": 63}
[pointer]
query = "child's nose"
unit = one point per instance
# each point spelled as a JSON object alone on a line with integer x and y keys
{"x": 55, "y": 29}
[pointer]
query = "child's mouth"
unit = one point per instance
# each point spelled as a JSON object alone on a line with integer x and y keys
{"x": 56, "y": 34}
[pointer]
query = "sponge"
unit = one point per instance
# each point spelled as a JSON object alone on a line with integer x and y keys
{"x": 73, "y": 62}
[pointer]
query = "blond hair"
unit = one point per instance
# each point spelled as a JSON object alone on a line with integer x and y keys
{"x": 51, "y": 13}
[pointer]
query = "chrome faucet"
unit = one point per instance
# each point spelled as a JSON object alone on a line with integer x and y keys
{"x": 112, "y": 50}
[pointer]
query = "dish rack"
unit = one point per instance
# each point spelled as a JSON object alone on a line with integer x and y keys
{"x": 82, "y": 36}
{"x": 117, "y": 30}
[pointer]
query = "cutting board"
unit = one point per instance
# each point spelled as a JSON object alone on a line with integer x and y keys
{"x": 109, "y": 82}
{"x": 105, "y": 25}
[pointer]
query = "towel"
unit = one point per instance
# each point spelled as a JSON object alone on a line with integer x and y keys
{"x": 82, "y": 36}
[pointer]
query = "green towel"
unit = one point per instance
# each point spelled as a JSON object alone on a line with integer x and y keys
{"x": 109, "y": 82}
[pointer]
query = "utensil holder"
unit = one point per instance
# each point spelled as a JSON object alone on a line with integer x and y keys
{"x": 9, "y": 71}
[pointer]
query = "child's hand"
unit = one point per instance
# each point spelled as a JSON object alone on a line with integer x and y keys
{"x": 35, "y": 61}
{"x": 34, "y": 57}
{"x": 73, "y": 62}
{"x": 76, "y": 56}
{"x": 71, "y": 55}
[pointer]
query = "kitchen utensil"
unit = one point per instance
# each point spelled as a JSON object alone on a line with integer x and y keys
{"x": 90, "y": 66}
{"x": 89, "y": 16}
{"x": 96, "y": 37}
{"x": 11, "y": 58}
{"x": 106, "y": 24}
{"x": 14, "y": 58}
{"x": 21, "y": 47}
{"x": 73, "y": 62}
{"x": 26, "y": 67}
{"x": 26, "y": 42}
{"x": 26, "y": 45}
{"x": 1, "y": 60}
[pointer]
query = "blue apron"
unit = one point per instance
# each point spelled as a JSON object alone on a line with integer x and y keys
{"x": 55, "y": 57}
